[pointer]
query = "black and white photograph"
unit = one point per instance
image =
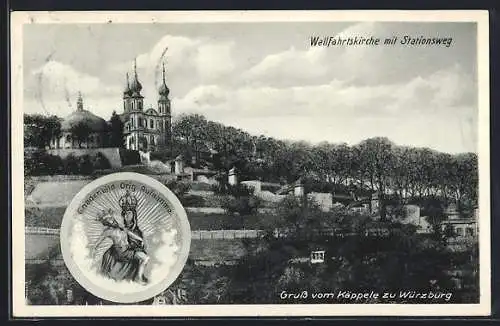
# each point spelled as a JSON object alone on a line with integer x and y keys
{"x": 250, "y": 163}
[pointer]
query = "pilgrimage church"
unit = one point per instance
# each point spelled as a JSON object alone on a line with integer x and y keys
{"x": 145, "y": 129}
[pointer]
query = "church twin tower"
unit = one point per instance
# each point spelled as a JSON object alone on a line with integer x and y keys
{"x": 146, "y": 129}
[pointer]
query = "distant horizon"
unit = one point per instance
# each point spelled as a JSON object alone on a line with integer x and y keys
{"x": 285, "y": 140}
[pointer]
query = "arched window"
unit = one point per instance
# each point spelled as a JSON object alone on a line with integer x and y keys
{"x": 132, "y": 122}
{"x": 151, "y": 123}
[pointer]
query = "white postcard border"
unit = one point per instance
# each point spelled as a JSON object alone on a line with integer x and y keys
{"x": 20, "y": 309}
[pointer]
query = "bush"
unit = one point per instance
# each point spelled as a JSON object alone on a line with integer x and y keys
{"x": 239, "y": 190}
{"x": 71, "y": 164}
{"x": 42, "y": 163}
{"x": 179, "y": 188}
{"x": 85, "y": 165}
{"x": 160, "y": 156}
{"x": 49, "y": 217}
{"x": 100, "y": 162}
{"x": 129, "y": 157}
{"x": 192, "y": 201}
{"x": 213, "y": 201}
{"x": 200, "y": 186}
{"x": 244, "y": 205}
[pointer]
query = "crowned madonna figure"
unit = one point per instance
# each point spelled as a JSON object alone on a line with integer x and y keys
{"x": 126, "y": 258}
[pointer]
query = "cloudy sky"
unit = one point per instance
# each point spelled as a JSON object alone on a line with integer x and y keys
{"x": 267, "y": 79}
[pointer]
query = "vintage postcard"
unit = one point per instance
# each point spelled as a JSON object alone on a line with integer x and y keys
{"x": 233, "y": 164}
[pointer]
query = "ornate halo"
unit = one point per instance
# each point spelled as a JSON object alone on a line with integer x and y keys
{"x": 125, "y": 237}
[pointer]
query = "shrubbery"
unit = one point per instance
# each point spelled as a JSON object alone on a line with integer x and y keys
{"x": 237, "y": 198}
{"x": 238, "y": 190}
{"x": 43, "y": 163}
{"x": 160, "y": 156}
{"x": 100, "y": 162}
{"x": 179, "y": 188}
{"x": 129, "y": 157}
{"x": 244, "y": 205}
{"x": 192, "y": 201}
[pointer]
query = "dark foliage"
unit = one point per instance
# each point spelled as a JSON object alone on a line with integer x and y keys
{"x": 43, "y": 163}
{"x": 116, "y": 131}
{"x": 129, "y": 157}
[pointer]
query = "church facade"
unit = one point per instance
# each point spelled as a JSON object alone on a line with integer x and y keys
{"x": 146, "y": 129}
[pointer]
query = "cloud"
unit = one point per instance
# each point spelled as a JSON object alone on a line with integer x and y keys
{"x": 214, "y": 61}
{"x": 204, "y": 60}
{"x": 368, "y": 65}
{"x": 338, "y": 111}
{"x": 441, "y": 90}
{"x": 54, "y": 78}
{"x": 291, "y": 67}
{"x": 54, "y": 88}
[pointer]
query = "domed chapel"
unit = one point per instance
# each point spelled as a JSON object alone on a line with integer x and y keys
{"x": 97, "y": 129}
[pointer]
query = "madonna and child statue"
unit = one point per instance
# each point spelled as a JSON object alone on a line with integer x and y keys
{"x": 126, "y": 258}
{"x": 125, "y": 237}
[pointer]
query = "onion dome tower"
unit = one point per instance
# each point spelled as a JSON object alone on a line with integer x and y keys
{"x": 164, "y": 109}
{"x": 135, "y": 92}
{"x": 127, "y": 93}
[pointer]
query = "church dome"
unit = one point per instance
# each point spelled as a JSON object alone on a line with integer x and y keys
{"x": 163, "y": 90}
{"x": 135, "y": 86}
{"x": 127, "y": 91}
{"x": 96, "y": 124}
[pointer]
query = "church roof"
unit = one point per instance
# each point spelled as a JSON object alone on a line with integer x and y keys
{"x": 127, "y": 91}
{"x": 95, "y": 123}
{"x": 163, "y": 90}
{"x": 135, "y": 85}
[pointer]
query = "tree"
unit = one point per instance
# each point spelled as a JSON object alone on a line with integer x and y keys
{"x": 81, "y": 132}
{"x": 400, "y": 259}
{"x": 464, "y": 176}
{"x": 376, "y": 160}
{"x": 192, "y": 130}
{"x": 39, "y": 130}
{"x": 116, "y": 131}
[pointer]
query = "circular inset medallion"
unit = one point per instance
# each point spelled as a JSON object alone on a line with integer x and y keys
{"x": 125, "y": 237}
